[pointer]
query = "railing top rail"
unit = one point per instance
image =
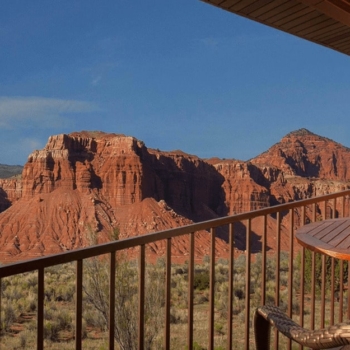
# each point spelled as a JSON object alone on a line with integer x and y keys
{"x": 88, "y": 252}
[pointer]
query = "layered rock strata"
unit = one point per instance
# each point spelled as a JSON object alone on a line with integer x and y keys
{"x": 94, "y": 182}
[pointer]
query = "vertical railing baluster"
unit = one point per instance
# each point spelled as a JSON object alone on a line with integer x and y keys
{"x": 313, "y": 290}
{"x": 332, "y": 289}
{"x": 278, "y": 258}
{"x": 334, "y": 215}
{"x": 78, "y": 304}
{"x": 348, "y": 308}
{"x": 277, "y": 271}
{"x": 141, "y": 297}
{"x": 167, "y": 294}
{"x": 230, "y": 287}
{"x": 302, "y": 289}
{"x": 263, "y": 262}
{"x": 323, "y": 292}
{"x": 0, "y": 311}
{"x": 190, "y": 294}
{"x": 40, "y": 321}
{"x": 212, "y": 290}
{"x": 247, "y": 283}
{"x": 313, "y": 276}
{"x": 302, "y": 274}
{"x": 290, "y": 271}
{"x": 112, "y": 271}
{"x": 325, "y": 210}
{"x": 314, "y": 209}
{"x": 341, "y": 290}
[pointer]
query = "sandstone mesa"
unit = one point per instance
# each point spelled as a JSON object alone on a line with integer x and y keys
{"x": 96, "y": 182}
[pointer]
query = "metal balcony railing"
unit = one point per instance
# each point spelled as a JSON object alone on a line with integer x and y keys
{"x": 301, "y": 298}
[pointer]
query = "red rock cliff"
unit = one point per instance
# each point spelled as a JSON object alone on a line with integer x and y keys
{"x": 93, "y": 181}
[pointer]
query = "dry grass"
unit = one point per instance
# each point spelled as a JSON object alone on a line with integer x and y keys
{"x": 19, "y": 292}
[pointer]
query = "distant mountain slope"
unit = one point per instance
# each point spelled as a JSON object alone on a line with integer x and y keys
{"x": 7, "y": 171}
{"x": 306, "y": 154}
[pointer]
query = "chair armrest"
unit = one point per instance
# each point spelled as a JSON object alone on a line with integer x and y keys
{"x": 326, "y": 338}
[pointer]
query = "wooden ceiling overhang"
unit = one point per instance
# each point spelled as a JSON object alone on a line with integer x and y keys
{"x": 325, "y": 22}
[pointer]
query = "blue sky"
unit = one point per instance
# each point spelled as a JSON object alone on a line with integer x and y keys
{"x": 176, "y": 74}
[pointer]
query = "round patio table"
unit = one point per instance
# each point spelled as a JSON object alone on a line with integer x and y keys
{"x": 330, "y": 237}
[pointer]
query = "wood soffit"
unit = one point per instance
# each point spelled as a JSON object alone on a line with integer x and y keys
{"x": 325, "y": 22}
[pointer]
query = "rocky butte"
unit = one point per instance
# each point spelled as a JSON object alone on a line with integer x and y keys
{"x": 94, "y": 183}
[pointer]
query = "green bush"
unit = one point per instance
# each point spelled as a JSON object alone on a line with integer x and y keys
{"x": 8, "y": 317}
{"x": 201, "y": 280}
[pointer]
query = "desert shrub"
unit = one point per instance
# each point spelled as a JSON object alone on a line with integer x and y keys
{"x": 93, "y": 318}
{"x": 48, "y": 313}
{"x": 177, "y": 317}
{"x": 23, "y": 337}
{"x": 96, "y": 288}
{"x": 65, "y": 292}
{"x": 196, "y": 346}
{"x": 55, "y": 322}
{"x": 8, "y": 317}
{"x": 318, "y": 268}
{"x": 223, "y": 261}
{"x": 239, "y": 264}
{"x": 31, "y": 280}
{"x": 51, "y": 330}
{"x": 238, "y": 306}
{"x": 221, "y": 298}
{"x": 201, "y": 280}
{"x": 296, "y": 307}
{"x": 219, "y": 328}
{"x": 32, "y": 304}
{"x": 200, "y": 298}
{"x": 13, "y": 293}
{"x": 239, "y": 293}
{"x": 221, "y": 274}
{"x": 179, "y": 291}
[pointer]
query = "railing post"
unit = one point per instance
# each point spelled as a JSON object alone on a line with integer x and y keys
{"x": 314, "y": 208}
{"x": 190, "y": 294}
{"x": 313, "y": 276}
{"x": 277, "y": 271}
{"x": 332, "y": 289}
{"x": 291, "y": 270}
{"x": 302, "y": 275}
{"x": 230, "y": 287}
{"x": 348, "y": 308}
{"x": 79, "y": 304}
{"x": 40, "y": 321}
{"x": 212, "y": 290}
{"x": 263, "y": 262}
{"x": 112, "y": 299}
{"x": 302, "y": 289}
{"x": 341, "y": 291}
{"x": 313, "y": 290}
{"x": 0, "y": 308}
{"x": 141, "y": 335}
{"x": 167, "y": 294}
{"x": 247, "y": 283}
{"x": 323, "y": 292}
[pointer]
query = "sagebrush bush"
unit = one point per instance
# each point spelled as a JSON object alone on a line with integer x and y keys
{"x": 8, "y": 316}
